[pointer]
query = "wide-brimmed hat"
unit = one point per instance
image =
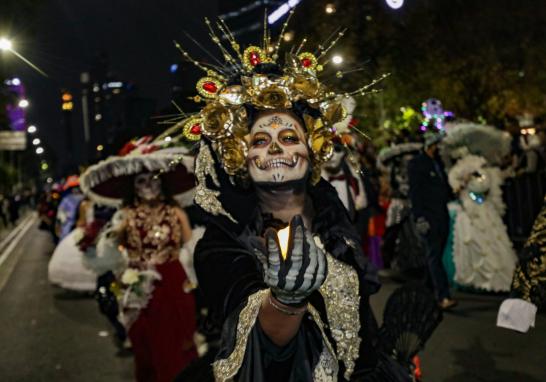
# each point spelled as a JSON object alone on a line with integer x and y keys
{"x": 110, "y": 181}
{"x": 433, "y": 138}
{"x": 464, "y": 138}
{"x": 388, "y": 154}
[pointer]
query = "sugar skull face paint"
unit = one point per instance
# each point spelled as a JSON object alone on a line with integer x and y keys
{"x": 334, "y": 163}
{"x": 147, "y": 186}
{"x": 278, "y": 151}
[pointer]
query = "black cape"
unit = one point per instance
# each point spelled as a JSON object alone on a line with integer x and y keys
{"x": 229, "y": 273}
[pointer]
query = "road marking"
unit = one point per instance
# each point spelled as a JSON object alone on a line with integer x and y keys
{"x": 25, "y": 226}
{"x": 14, "y": 232}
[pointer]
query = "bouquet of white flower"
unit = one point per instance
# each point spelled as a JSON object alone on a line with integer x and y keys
{"x": 138, "y": 286}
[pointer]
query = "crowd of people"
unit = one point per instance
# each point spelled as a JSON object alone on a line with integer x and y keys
{"x": 427, "y": 211}
{"x": 244, "y": 242}
{"x": 13, "y": 206}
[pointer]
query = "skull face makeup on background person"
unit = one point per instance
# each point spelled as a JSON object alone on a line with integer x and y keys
{"x": 479, "y": 182}
{"x": 278, "y": 151}
{"x": 334, "y": 163}
{"x": 147, "y": 186}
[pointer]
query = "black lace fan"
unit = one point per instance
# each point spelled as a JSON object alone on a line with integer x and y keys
{"x": 410, "y": 317}
{"x": 386, "y": 370}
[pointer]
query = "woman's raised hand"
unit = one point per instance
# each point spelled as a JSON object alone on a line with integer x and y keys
{"x": 294, "y": 278}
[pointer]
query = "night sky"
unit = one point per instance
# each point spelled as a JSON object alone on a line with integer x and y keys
{"x": 135, "y": 35}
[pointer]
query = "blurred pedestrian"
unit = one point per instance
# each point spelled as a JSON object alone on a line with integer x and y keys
{"x": 429, "y": 193}
{"x": 13, "y": 208}
{"x": 4, "y": 210}
{"x": 533, "y": 158}
{"x": 402, "y": 249}
{"x": 67, "y": 213}
{"x": 66, "y": 267}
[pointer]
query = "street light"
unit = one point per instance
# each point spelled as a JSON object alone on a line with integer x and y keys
{"x": 395, "y": 4}
{"x": 337, "y": 59}
{"x": 288, "y": 36}
{"x": 40, "y": 150}
{"x": 330, "y": 8}
{"x": 36, "y": 141}
{"x": 5, "y": 43}
{"x": 32, "y": 129}
{"x": 23, "y": 104}
{"x": 100, "y": 148}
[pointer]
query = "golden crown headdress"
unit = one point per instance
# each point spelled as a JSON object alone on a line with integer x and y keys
{"x": 256, "y": 77}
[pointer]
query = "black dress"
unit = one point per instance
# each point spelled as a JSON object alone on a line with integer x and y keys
{"x": 339, "y": 324}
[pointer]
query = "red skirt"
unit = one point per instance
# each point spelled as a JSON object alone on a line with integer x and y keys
{"x": 162, "y": 335}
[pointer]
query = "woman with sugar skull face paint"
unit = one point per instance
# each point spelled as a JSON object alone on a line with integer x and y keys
{"x": 154, "y": 232}
{"x": 280, "y": 265}
{"x": 156, "y": 305}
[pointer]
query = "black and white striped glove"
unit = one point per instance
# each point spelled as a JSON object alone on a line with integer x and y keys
{"x": 303, "y": 271}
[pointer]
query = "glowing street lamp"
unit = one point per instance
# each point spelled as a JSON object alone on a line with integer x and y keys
{"x": 36, "y": 141}
{"x": 32, "y": 129}
{"x": 23, "y": 104}
{"x": 288, "y": 36}
{"x": 330, "y": 8}
{"x": 40, "y": 150}
{"x": 395, "y": 4}
{"x": 337, "y": 59}
{"x": 5, "y": 43}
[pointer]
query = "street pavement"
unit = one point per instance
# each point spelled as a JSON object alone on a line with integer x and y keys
{"x": 47, "y": 334}
{"x": 468, "y": 347}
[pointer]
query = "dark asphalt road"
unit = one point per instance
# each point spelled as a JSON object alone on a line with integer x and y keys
{"x": 48, "y": 335}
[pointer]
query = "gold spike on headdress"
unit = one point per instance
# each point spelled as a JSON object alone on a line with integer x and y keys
{"x": 224, "y": 119}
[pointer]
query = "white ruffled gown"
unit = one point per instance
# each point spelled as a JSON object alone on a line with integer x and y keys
{"x": 66, "y": 267}
{"x": 483, "y": 253}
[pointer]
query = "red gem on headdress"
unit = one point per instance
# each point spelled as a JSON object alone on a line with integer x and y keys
{"x": 196, "y": 129}
{"x": 210, "y": 87}
{"x": 306, "y": 62}
{"x": 254, "y": 58}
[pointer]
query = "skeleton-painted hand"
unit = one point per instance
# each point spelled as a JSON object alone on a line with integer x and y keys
{"x": 303, "y": 271}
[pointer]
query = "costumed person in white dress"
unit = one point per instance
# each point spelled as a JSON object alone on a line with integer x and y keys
{"x": 483, "y": 253}
{"x": 528, "y": 293}
{"x": 66, "y": 267}
{"x": 156, "y": 304}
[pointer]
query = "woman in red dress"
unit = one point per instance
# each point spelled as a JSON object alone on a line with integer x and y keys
{"x": 156, "y": 306}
